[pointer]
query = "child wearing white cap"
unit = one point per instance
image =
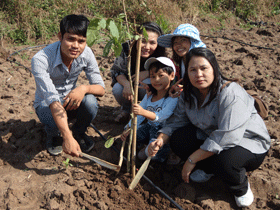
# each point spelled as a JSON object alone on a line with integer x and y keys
{"x": 157, "y": 107}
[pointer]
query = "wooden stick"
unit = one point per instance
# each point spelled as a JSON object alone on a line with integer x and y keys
{"x": 132, "y": 115}
{"x": 121, "y": 152}
{"x": 139, "y": 43}
{"x": 140, "y": 173}
{"x": 101, "y": 162}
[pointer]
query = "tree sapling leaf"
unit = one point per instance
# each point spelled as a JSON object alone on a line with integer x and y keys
{"x": 109, "y": 142}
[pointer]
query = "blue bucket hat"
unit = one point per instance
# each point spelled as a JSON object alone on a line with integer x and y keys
{"x": 186, "y": 30}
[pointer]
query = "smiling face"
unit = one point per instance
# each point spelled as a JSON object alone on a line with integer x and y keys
{"x": 160, "y": 80}
{"x": 200, "y": 73}
{"x": 149, "y": 46}
{"x": 72, "y": 46}
{"x": 181, "y": 45}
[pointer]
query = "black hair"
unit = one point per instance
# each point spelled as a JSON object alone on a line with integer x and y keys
{"x": 157, "y": 66}
{"x": 218, "y": 77}
{"x": 160, "y": 51}
{"x": 76, "y": 24}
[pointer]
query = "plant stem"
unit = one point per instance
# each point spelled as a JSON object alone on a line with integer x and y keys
{"x": 139, "y": 43}
{"x": 126, "y": 22}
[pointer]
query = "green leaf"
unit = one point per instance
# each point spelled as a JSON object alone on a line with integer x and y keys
{"x": 114, "y": 29}
{"x": 94, "y": 23}
{"x": 107, "y": 48}
{"x": 145, "y": 34}
{"x": 121, "y": 15}
{"x": 136, "y": 37}
{"x": 129, "y": 36}
{"x": 102, "y": 23}
{"x": 117, "y": 49}
{"x": 90, "y": 37}
{"x": 109, "y": 142}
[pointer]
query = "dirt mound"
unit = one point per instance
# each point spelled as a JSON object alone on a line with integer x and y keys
{"x": 32, "y": 179}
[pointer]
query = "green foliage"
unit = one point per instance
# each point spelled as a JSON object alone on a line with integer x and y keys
{"x": 66, "y": 163}
{"x": 110, "y": 141}
{"x": 26, "y": 21}
{"x": 113, "y": 31}
{"x": 36, "y": 19}
{"x": 163, "y": 23}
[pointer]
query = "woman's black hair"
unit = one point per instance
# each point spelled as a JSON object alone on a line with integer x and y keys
{"x": 160, "y": 51}
{"x": 218, "y": 77}
{"x": 76, "y": 24}
{"x": 157, "y": 66}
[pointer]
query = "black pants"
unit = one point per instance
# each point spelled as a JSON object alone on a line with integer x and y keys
{"x": 230, "y": 165}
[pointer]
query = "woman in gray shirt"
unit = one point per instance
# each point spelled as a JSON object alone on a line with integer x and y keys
{"x": 217, "y": 130}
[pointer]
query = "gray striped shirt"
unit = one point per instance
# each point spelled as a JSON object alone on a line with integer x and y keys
{"x": 53, "y": 79}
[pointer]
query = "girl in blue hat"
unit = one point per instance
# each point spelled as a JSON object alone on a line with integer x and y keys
{"x": 184, "y": 38}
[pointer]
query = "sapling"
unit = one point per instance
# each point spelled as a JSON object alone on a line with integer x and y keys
{"x": 66, "y": 163}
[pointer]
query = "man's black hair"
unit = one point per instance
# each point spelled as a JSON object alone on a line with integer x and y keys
{"x": 75, "y": 24}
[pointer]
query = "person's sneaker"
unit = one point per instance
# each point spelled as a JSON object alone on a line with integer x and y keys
{"x": 141, "y": 154}
{"x": 200, "y": 176}
{"x": 245, "y": 200}
{"x": 85, "y": 142}
{"x": 54, "y": 145}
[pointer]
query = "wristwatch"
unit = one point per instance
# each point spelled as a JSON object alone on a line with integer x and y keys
{"x": 190, "y": 160}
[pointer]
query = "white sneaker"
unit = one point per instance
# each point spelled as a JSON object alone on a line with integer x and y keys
{"x": 200, "y": 176}
{"x": 245, "y": 200}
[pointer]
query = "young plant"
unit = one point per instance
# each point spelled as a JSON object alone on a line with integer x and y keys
{"x": 118, "y": 31}
{"x": 66, "y": 163}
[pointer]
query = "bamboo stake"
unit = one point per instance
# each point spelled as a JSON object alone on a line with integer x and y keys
{"x": 139, "y": 43}
{"x": 132, "y": 115}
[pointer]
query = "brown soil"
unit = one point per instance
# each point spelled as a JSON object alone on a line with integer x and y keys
{"x": 33, "y": 179}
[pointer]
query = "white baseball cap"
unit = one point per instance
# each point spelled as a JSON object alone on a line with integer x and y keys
{"x": 164, "y": 60}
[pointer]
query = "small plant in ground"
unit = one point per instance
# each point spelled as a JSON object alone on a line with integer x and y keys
{"x": 66, "y": 163}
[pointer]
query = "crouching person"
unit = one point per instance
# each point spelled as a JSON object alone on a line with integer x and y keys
{"x": 215, "y": 130}
{"x": 57, "y": 99}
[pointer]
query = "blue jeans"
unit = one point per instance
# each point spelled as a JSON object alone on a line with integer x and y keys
{"x": 84, "y": 114}
{"x": 147, "y": 134}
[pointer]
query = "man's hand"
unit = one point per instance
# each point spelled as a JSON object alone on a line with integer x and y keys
{"x": 70, "y": 146}
{"x": 127, "y": 93}
{"x": 74, "y": 98}
{"x": 154, "y": 147}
